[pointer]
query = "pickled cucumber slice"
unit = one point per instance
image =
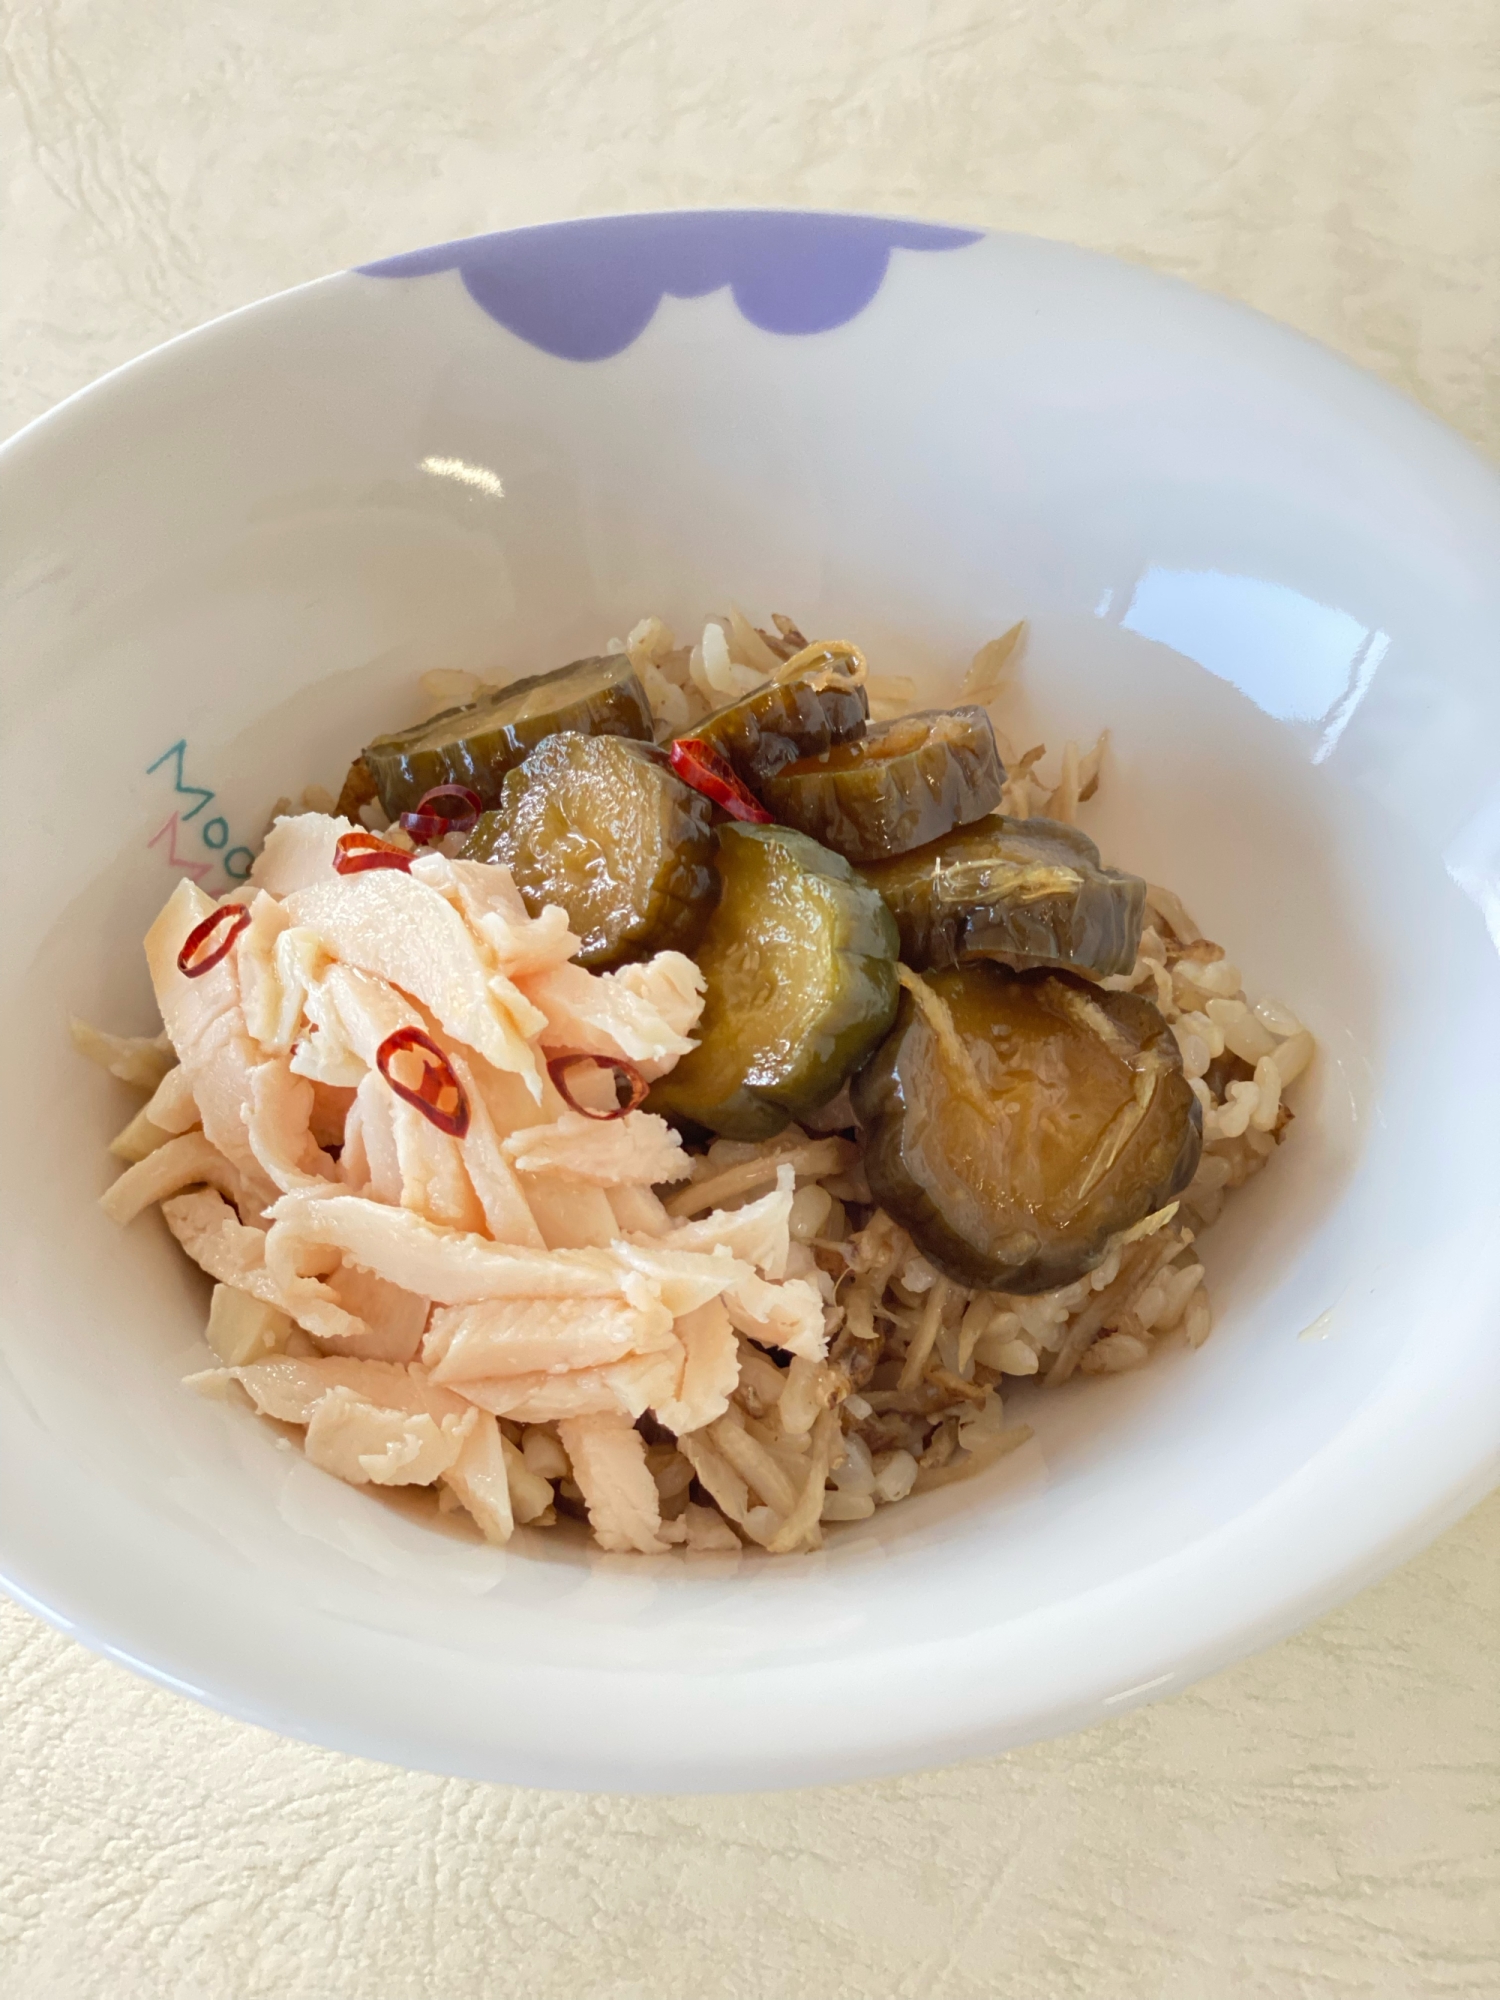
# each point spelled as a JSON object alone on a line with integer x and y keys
{"x": 800, "y": 959}
{"x": 1015, "y": 1121}
{"x": 904, "y": 784}
{"x": 477, "y": 744}
{"x": 772, "y": 727}
{"x": 599, "y": 826}
{"x": 1029, "y": 892}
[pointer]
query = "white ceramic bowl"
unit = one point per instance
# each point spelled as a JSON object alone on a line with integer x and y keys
{"x": 1273, "y": 579}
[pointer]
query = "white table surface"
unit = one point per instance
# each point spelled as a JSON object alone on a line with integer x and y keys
{"x": 1321, "y": 1821}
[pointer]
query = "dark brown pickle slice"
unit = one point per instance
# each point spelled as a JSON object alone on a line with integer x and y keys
{"x": 1014, "y": 1122}
{"x": 773, "y": 726}
{"x": 904, "y": 784}
{"x": 599, "y": 826}
{"x": 800, "y": 960}
{"x": 477, "y": 744}
{"x": 1029, "y": 892}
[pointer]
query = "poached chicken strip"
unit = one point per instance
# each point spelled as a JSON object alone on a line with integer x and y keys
{"x": 630, "y": 1387}
{"x": 539, "y": 1336}
{"x": 291, "y": 1389}
{"x": 298, "y": 853}
{"x": 608, "y": 1456}
{"x": 218, "y": 1242}
{"x": 502, "y": 1197}
{"x": 620, "y": 1013}
{"x": 365, "y": 1443}
{"x": 487, "y": 898}
{"x": 278, "y": 1124}
{"x": 710, "y": 1369}
{"x": 638, "y": 1212}
{"x": 524, "y": 1255}
{"x": 370, "y": 1165}
{"x": 172, "y": 1107}
{"x": 759, "y": 1233}
{"x": 670, "y": 985}
{"x": 368, "y": 1422}
{"x": 262, "y": 996}
{"x": 406, "y": 933}
{"x": 392, "y": 1319}
{"x": 442, "y": 1264}
{"x": 234, "y": 1254}
{"x": 788, "y": 1315}
{"x": 189, "y": 1161}
{"x": 639, "y": 1150}
{"x": 431, "y": 1175}
{"x": 570, "y": 1217}
{"x": 480, "y": 1479}
{"x": 206, "y": 1023}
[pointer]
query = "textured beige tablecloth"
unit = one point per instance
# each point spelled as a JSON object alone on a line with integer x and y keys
{"x": 1322, "y": 1821}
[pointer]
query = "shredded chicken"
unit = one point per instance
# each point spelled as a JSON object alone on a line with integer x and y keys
{"x": 608, "y": 1456}
{"x": 526, "y": 1258}
{"x": 637, "y": 1383}
{"x": 540, "y": 1336}
{"x": 172, "y": 1107}
{"x": 406, "y": 933}
{"x": 179, "y": 1163}
{"x": 140, "y": 1060}
{"x": 710, "y": 1369}
{"x": 638, "y": 1150}
{"x": 207, "y": 1025}
{"x": 366, "y": 1443}
{"x": 298, "y": 853}
{"x": 621, "y": 1013}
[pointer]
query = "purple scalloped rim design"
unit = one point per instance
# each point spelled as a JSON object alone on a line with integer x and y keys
{"x": 586, "y": 290}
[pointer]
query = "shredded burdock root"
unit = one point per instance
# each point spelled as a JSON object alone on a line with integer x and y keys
{"x": 809, "y": 1161}
{"x": 826, "y": 663}
{"x": 991, "y": 665}
{"x": 531, "y": 1299}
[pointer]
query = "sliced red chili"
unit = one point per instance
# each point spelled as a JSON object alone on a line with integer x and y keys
{"x": 430, "y": 819}
{"x": 355, "y": 852}
{"x": 698, "y": 764}
{"x": 231, "y": 920}
{"x": 439, "y": 1095}
{"x": 627, "y": 1076}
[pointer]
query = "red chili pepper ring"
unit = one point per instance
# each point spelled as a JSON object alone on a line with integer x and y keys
{"x": 431, "y": 819}
{"x": 355, "y": 852}
{"x": 626, "y": 1073}
{"x": 698, "y": 764}
{"x": 231, "y": 919}
{"x": 438, "y": 1094}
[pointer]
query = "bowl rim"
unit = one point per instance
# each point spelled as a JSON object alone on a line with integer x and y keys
{"x": 1283, "y": 330}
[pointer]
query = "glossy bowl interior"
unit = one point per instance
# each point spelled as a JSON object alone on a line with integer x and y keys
{"x": 1273, "y": 580}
